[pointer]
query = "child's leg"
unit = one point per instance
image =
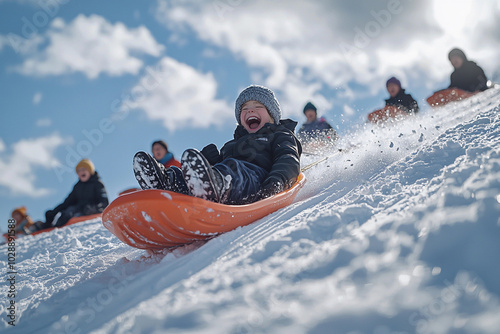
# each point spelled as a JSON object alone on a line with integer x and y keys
{"x": 151, "y": 174}
{"x": 246, "y": 179}
{"x": 67, "y": 214}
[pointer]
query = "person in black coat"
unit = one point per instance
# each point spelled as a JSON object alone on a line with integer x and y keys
{"x": 467, "y": 75}
{"x": 261, "y": 160}
{"x": 399, "y": 98}
{"x": 87, "y": 197}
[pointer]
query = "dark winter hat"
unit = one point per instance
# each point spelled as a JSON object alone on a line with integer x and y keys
{"x": 260, "y": 94}
{"x": 457, "y": 53}
{"x": 160, "y": 142}
{"x": 310, "y": 106}
{"x": 87, "y": 164}
{"x": 394, "y": 81}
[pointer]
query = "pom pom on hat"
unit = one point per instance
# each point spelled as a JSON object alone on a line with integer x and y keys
{"x": 310, "y": 106}
{"x": 394, "y": 81}
{"x": 260, "y": 94}
{"x": 87, "y": 164}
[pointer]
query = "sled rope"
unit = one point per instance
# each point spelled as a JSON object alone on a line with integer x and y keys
{"x": 303, "y": 169}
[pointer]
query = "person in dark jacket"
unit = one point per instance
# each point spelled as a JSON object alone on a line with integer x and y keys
{"x": 161, "y": 153}
{"x": 467, "y": 75}
{"x": 87, "y": 197}
{"x": 261, "y": 160}
{"x": 399, "y": 98}
{"x": 315, "y": 127}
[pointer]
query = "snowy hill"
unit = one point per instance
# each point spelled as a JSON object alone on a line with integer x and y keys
{"x": 397, "y": 234}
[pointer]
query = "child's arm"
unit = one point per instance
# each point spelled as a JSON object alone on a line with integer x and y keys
{"x": 286, "y": 166}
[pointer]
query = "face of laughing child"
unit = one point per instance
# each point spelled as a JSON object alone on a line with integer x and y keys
{"x": 159, "y": 151}
{"x": 83, "y": 174}
{"x": 393, "y": 89}
{"x": 254, "y": 115}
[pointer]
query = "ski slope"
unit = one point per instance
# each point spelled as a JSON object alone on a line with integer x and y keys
{"x": 398, "y": 233}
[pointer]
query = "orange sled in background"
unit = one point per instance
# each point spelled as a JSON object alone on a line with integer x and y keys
{"x": 385, "y": 114}
{"x": 445, "y": 96}
{"x": 157, "y": 219}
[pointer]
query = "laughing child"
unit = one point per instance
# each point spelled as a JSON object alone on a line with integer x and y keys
{"x": 87, "y": 197}
{"x": 261, "y": 160}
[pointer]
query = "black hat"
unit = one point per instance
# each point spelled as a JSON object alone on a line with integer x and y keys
{"x": 160, "y": 142}
{"x": 457, "y": 53}
{"x": 310, "y": 106}
{"x": 393, "y": 80}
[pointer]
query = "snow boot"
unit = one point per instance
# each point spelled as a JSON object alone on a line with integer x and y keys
{"x": 202, "y": 180}
{"x": 148, "y": 172}
{"x": 153, "y": 175}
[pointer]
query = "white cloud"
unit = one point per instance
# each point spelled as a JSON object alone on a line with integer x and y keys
{"x": 37, "y": 98}
{"x": 179, "y": 96}
{"x": 329, "y": 44}
{"x": 91, "y": 45}
{"x": 17, "y": 170}
{"x": 3, "y": 41}
{"x": 44, "y": 122}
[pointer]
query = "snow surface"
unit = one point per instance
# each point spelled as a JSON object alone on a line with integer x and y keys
{"x": 400, "y": 233}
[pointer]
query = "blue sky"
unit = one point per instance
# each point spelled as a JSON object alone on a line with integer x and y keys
{"x": 103, "y": 80}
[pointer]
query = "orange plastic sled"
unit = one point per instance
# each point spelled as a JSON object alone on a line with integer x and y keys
{"x": 442, "y": 97}
{"x": 158, "y": 219}
{"x": 386, "y": 113}
{"x": 72, "y": 221}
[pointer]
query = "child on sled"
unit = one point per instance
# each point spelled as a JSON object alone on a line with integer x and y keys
{"x": 261, "y": 160}
{"x": 88, "y": 197}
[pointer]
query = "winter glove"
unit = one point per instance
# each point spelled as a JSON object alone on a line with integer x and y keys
{"x": 211, "y": 153}
{"x": 271, "y": 186}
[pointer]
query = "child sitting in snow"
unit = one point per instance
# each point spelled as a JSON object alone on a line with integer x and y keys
{"x": 399, "y": 98}
{"x": 87, "y": 197}
{"x": 261, "y": 160}
{"x": 23, "y": 221}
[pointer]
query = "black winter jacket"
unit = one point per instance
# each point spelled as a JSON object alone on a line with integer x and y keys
{"x": 469, "y": 77}
{"x": 88, "y": 196}
{"x": 274, "y": 148}
{"x": 404, "y": 101}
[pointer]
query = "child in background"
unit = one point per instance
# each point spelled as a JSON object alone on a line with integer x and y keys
{"x": 315, "y": 128}
{"x": 23, "y": 221}
{"x": 467, "y": 75}
{"x": 160, "y": 152}
{"x": 87, "y": 197}
{"x": 399, "y": 98}
{"x": 261, "y": 160}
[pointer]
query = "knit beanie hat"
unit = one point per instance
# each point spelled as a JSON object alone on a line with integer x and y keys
{"x": 160, "y": 142}
{"x": 87, "y": 164}
{"x": 260, "y": 94}
{"x": 394, "y": 81}
{"x": 310, "y": 106}
{"x": 21, "y": 210}
{"x": 457, "y": 53}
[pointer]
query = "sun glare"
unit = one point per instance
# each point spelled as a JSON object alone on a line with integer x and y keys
{"x": 453, "y": 16}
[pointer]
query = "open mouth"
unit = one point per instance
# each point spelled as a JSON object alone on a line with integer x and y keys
{"x": 253, "y": 122}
